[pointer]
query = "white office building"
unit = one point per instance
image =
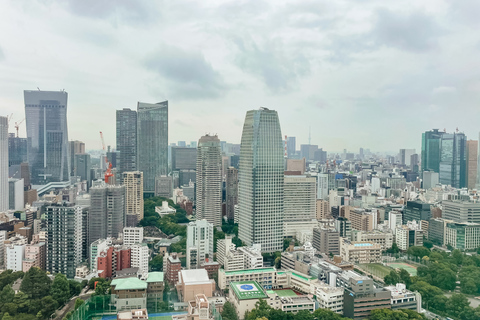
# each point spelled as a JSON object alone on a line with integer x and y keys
{"x": 15, "y": 253}
{"x": 139, "y": 259}
{"x": 132, "y": 235}
{"x": 199, "y": 241}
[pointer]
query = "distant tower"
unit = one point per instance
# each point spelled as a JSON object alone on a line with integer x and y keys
{"x": 47, "y": 134}
{"x": 209, "y": 180}
{"x": 3, "y": 164}
{"x": 260, "y": 175}
{"x": 127, "y": 139}
{"x": 152, "y": 142}
{"x": 231, "y": 192}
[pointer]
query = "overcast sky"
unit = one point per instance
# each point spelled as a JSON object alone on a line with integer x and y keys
{"x": 371, "y": 74}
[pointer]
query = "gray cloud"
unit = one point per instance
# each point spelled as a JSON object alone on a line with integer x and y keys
{"x": 276, "y": 65}
{"x": 119, "y": 10}
{"x": 187, "y": 73}
{"x": 415, "y": 32}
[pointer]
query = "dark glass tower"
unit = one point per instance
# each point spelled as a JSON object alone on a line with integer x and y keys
{"x": 127, "y": 139}
{"x": 47, "y": 136}
{"x": 152, "y": 142}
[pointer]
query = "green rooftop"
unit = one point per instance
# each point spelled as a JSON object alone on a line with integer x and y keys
{"x": 299, "y": 276}
{"x": 245, "y": 290}
{"x": 250, "y": 271}
{"x": 155, "y": 277}
{"x": 129, "y": 284}
{"x": 285, "y": 293}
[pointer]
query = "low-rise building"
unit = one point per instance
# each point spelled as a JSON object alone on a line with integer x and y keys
{"x": 244, "y": 295}
{"x": 129, "y": 293}
{"x": 173, "y": 265}
{"x": 360, "y": 252}
{"x": 409, "y": 235}
{"x": 265, "y": 277}
{"x": 384, "y": 239}
{"x": 192, "y": 282}
{"x": 326, "y": 240}
{"x": 329, "y": 297}
{"x": 35, "y": 255}
{"x": 463, "y": 236}
{"x": 401, "y": 298}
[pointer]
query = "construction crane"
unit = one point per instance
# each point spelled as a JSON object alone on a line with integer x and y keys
{"x": 17, "y": 125}
{"x": 108, "y": 172}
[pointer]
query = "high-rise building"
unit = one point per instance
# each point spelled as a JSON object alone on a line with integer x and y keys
{"x": 445, "y": 153}
{"x": 453, "y": 160}
{"x": 231, "y": 193}
{"x": 64, "y": 238}
{"x": 107, "y": 211}
{"x": 199, "y": 242}
{"x": 326, "y": 240}
{"x": 16, "y": 201}
{"x": 164, "y": 186}
{"x": 127, "y": 139}
{"x": 405, "y": 155}
{"x": 17, "y": 150}
{"x": 47, "y": 135}
{"x": 83, "y": 167}
{"x": 291, "y": 146}
{"x": 299, "y": 203}
{"x": 184, "y": 158}
{"x": 472, "y": 162}
{"x": 152, "y": 142}
{"x": 307, "y": 151}
{"x": 209, "y": 180}
{"x": 76, "y": 147}
{"x": 3, "y": 164}
{"x": 260, "y": 181}
{"x": 133, "y": 182}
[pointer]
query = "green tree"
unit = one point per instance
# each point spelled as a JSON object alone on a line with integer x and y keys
{"x": 7, "y": 316}
{"x": 391, "y": 278}
{"x": 36, "y": 284}
{"x": 75, "y": 287}
{"x": 102, "y": 288}
{"x": 229, "y": 312}
{"x": 156, "y": 264}
{"x": 78, "y": 303}
{"x": 326, "y": 314}
{"x": 60, "y": 290}
{"x": 22, "y": 302}
{"x": 262, "y": 309}
{"x": 304, "y": 315}
{"x": 418, "y": 251}
{"x": 393, "y": 249}
{"x": 278, "y": 262}
{"x": 457, "y": 257}
{"x": 405, "y": 277}
{"x": 49, "y": 305}
{"x": 455, "y": 304}
{"x": 6, "y": 295}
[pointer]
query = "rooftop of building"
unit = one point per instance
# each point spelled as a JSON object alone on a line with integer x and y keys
{"x": 246, "y": 290}
{"x": 155, "y": 277}
{"x": 132, "y": 283}
{"x": 195, "y": 276}
{"x": 250, "y": 271}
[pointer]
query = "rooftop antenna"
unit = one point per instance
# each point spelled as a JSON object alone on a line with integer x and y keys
{"x": 309, "y": 135}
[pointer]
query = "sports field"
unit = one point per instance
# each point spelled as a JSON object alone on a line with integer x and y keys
{"x": 154, "y": 316}
{"x": 285, "y": 293}
{"x": 401, "y": 265}
{"x": 376, "y": 269}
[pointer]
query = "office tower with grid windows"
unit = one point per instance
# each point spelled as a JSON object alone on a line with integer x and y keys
{"x": 47, "y": 136}
{"x": 152, "y": 142}
{"x": 209, "y": 180}
{"x": 260, "y": 181}
{"x": 127, "y": 139}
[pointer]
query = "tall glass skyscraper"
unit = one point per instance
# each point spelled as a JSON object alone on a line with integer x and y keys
{"x": 152, "y": 142}
{"x": 261, "y": 178}
{"x": 47, "y": 136}
{"x": 127, "y": 139}
{"x": 445, "y": 153}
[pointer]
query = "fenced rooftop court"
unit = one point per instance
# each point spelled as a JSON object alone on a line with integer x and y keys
{"x": 402, "y": 265}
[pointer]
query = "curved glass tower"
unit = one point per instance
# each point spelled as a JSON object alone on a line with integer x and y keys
{"x": 261, "y": 178}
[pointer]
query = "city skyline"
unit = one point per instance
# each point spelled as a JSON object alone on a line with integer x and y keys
{"x": 321, "y": 66}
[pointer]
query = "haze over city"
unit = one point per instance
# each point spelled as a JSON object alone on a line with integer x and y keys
{"x": 360, "y": 74}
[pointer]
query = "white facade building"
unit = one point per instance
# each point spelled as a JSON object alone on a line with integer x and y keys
{"x": 329, "y": 297}
{"x": 14, "y": 253}
{"x": 15, "y": 194}
{"x": 200, "y": 237}
{"x": 139, "y": 259}
{"x": 132, "y": 235}
{"x": 394, "y": 220}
